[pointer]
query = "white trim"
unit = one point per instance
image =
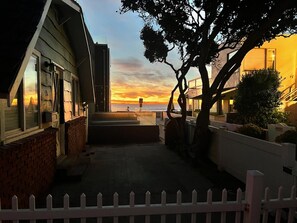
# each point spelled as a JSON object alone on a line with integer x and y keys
{"x": 21, "y": 134}
{"x": 73, "y": 5}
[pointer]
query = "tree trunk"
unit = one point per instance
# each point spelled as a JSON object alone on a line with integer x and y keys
{"x": 202, "y": 135}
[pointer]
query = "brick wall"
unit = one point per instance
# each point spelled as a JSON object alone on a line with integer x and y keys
{"x": 27, "y": 166}
{"x": 75, "y": 136}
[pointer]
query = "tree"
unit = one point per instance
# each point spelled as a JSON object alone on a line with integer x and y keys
{"x": 258, "y": 97}
{"x": 199, "y": 30}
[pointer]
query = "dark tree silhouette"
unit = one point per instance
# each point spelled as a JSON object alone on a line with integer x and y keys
{"x": 199, "y": 30}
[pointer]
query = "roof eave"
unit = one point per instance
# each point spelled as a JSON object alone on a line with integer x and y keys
{"x": 82, "y": 49}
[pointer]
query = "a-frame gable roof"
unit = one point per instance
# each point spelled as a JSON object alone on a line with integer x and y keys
{"x": 25, "y": 19}
{"x": 22, "y": 21}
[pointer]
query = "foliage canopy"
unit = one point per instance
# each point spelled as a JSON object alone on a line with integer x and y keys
{"x": 199, "y": 30}
{"x": 258, "y": 97}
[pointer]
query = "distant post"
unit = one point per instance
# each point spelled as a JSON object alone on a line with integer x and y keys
{"x": 140, "y": 103}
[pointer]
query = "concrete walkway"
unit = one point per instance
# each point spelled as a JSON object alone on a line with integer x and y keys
{"x": 141, "y": 168}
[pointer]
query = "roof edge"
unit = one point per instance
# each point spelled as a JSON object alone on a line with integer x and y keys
{"x": 12, "y": 92}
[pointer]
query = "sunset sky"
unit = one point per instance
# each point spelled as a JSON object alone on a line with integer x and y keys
{"x": 132, "y": 76}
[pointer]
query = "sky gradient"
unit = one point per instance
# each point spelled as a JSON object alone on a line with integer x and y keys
{"x": 132, "y": 75}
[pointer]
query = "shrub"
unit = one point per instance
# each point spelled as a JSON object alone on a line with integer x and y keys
{"x": 257, "y": 97}
{"x": 252, "y": 130}
{"x": 289, "y": 136}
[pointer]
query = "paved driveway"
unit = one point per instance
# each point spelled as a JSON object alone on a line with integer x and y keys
{"x": 141, "y": 168}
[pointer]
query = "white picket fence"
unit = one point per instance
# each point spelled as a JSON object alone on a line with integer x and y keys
{"x": 248, "y": 209}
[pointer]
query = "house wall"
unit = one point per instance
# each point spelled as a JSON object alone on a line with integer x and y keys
{"x": 27, "y": 166}
{"x": 75, "y": 136}
{"x": 285, "y": 63}
{"x": 286, "y": 51}
{"x": 218, "y": 65}
{"x": 55, "y": 47}
{"x": 54, "y": 44}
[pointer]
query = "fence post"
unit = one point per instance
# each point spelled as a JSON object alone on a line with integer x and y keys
{"x": 253, "y": 196}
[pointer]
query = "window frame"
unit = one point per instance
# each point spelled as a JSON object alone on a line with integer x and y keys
{"x": 265, "y": 62}
{"x": 75, "y": 93}
{"x": 23, "y": 131}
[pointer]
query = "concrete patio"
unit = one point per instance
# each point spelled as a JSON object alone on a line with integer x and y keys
{"x": 140, "y": 168}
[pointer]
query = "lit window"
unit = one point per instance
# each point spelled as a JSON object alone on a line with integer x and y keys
{"x": 257, "y": 59}
{"x": 270, "y": 58}
{"x": 24, "y": 111}
{"x": 31, "y": 93}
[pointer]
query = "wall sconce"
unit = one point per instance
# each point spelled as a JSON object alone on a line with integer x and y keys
{"x": 49, "y": 65}
{"x": 231, "y": 101}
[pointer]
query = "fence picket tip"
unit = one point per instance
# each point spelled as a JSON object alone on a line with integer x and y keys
{"x": 293, "y": 192}
{"x": 66, "y": 195}
{"x": 280, "y": 193}
{"x": 83, "y": 195}
{"x": 14, "y": 203}
{"x": 209, "y": 196}
{"x": 163, "y": 198}
{"x": 32, "y": 196}
{"x": 147, "y": 193}
{"x": 224, "y": 195}
{"x": 99, "y": 200}
{"x": 132, "y": 193}
{"x": 178, "y": 197}
{"x": 115, "y": 199}
{"x": 194, "y": 197}
{"x": 239, "y": 196}
{"x": 49, "y": 196}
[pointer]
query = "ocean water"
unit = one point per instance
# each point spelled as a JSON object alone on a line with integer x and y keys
{"x": 135, "y": 107}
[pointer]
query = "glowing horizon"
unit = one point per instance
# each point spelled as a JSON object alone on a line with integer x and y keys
{"x": 132, "y": 76}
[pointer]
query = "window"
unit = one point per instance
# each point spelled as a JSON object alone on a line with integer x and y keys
{"x": 23, "y": 114}
{"x": 259, "y": 59}
{"x": 12, "y": 114}
{"x": 30, "y": 88}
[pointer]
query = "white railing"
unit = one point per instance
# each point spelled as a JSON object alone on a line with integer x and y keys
{"x": 249, "y": 209}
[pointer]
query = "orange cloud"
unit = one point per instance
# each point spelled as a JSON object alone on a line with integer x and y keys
{"x": 130, "y": 80}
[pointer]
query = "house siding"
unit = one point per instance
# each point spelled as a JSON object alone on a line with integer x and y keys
{"x": 27, "y": 166}
{"x": 54, "y": 44}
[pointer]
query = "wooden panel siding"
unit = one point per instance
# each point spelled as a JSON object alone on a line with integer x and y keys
{"x": 46, "y": 91}
{"x": 54, "y": 44}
